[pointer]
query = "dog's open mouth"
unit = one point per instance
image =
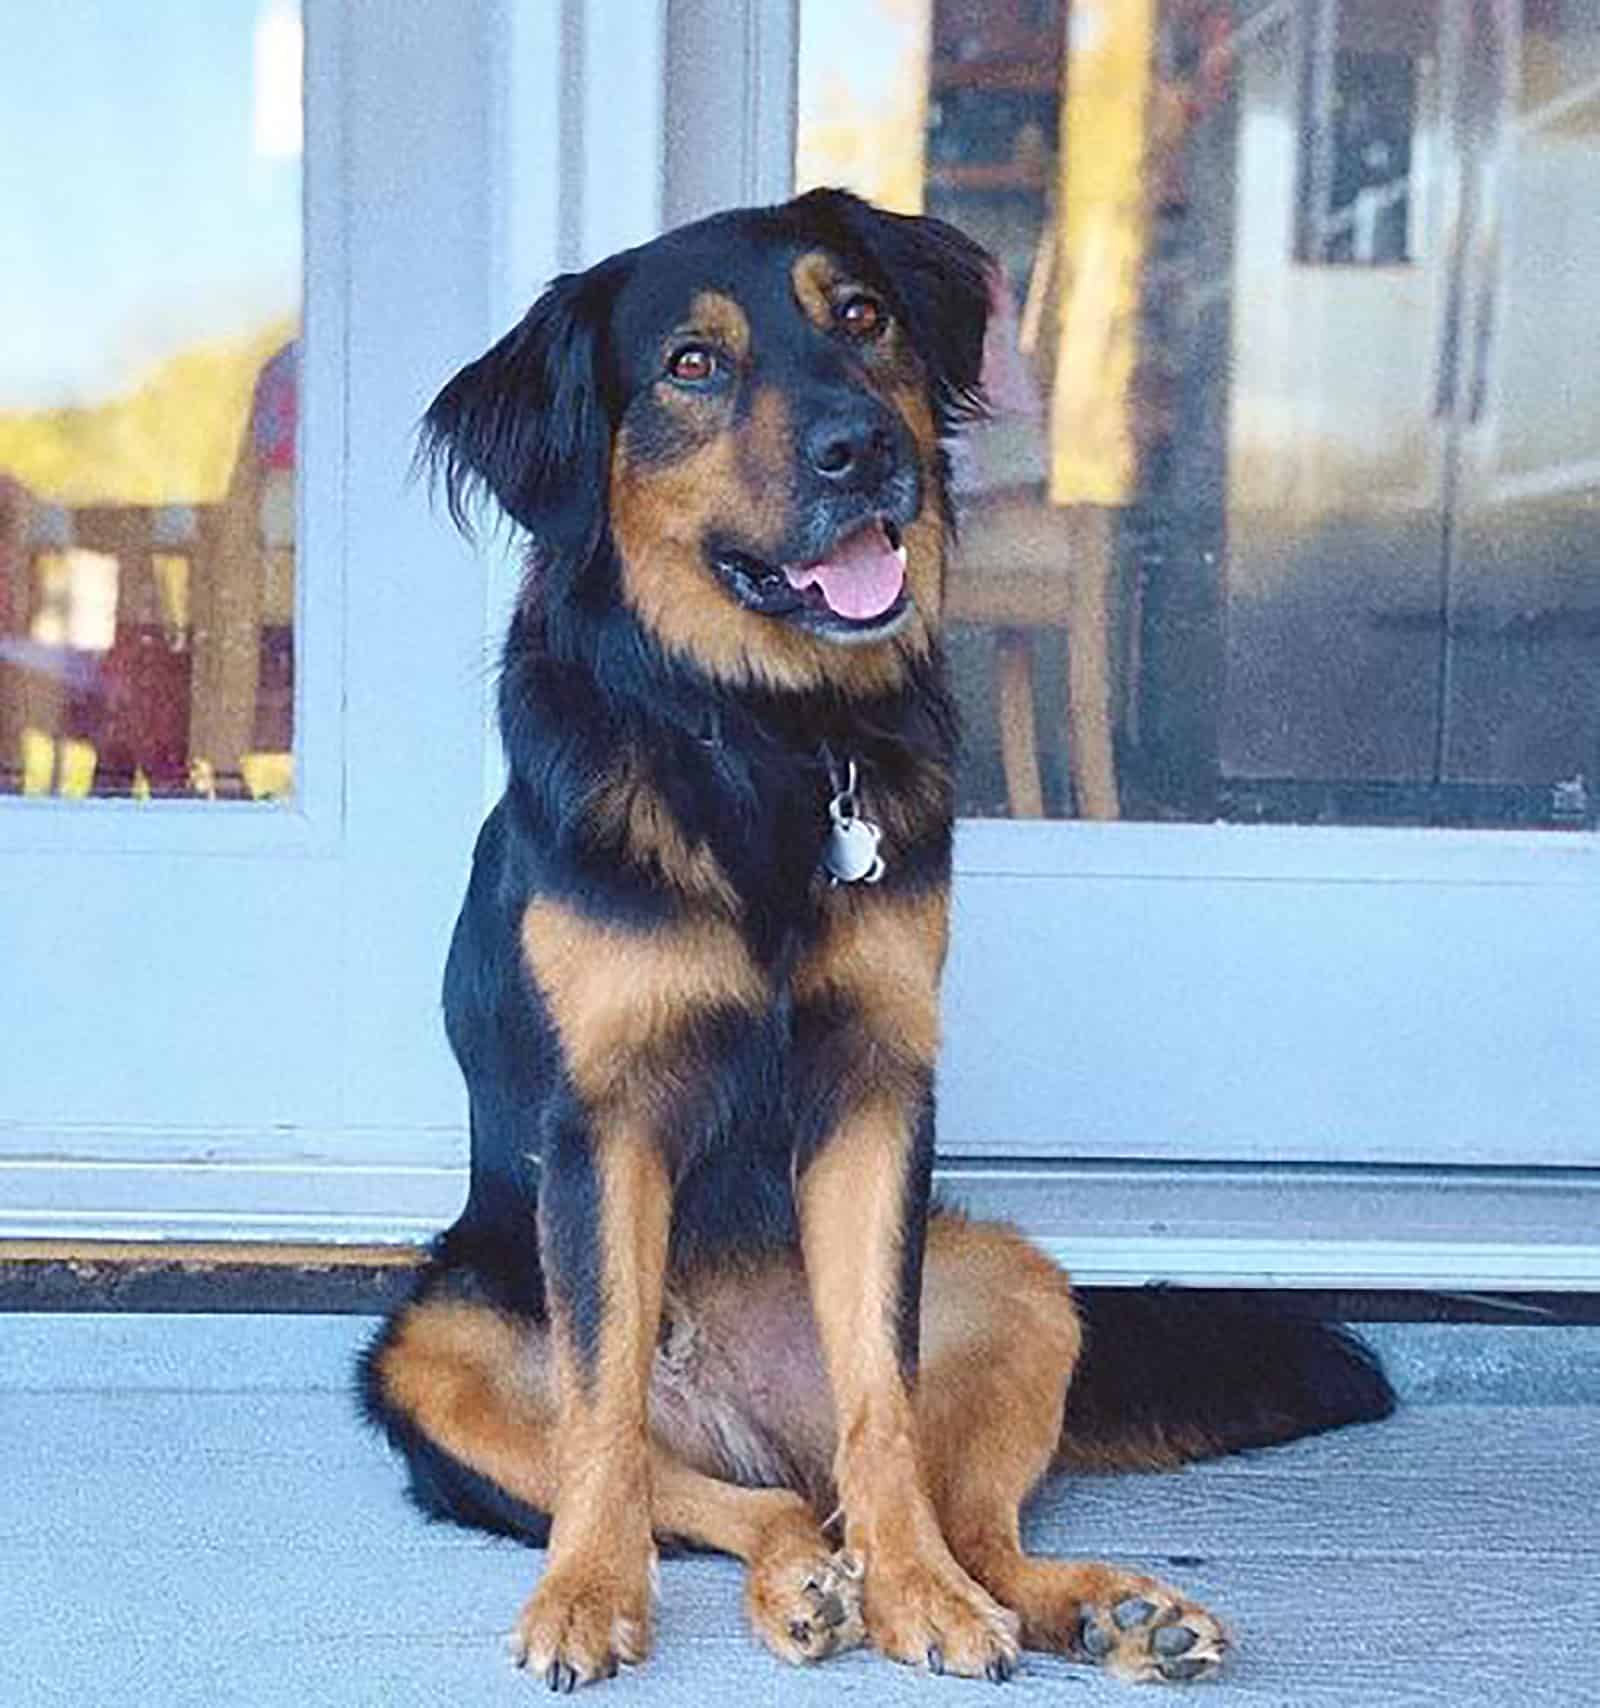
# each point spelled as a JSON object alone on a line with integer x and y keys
{"x": 861, "y": 579}
{"x": 856, "y": 591}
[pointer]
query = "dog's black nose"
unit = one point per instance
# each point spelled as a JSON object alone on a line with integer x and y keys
{"x": 852, "y": 449}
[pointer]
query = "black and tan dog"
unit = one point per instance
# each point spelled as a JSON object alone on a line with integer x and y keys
{"x": 697, "y": 1292}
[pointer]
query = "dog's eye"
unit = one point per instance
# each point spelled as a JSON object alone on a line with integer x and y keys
{"x": 692, "y": 364}
{"x": 861, "y": 316}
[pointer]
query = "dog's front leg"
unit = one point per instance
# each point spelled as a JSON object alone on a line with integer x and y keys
{"x": 621, "y": 1003}
{"x": 604, "y": 1210}
{"x": 867, "y": 1031}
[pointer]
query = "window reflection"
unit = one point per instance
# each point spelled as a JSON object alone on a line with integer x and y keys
{"x": 1286, "y": 512}
{"x": 149, "y": 398}
{"x": 1359, "y": 112}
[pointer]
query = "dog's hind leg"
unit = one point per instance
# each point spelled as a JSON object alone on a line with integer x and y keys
{"x": 1000, "y": 1340}
{"x": 467, "y": 1392}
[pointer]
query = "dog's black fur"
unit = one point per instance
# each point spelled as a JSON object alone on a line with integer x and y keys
{"x": 575, "y": 422}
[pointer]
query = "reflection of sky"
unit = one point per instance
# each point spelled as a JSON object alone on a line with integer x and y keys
{"x": 853, "y": 52}
{"x": 862, "y": 80}
{"x": 136, "y": 214}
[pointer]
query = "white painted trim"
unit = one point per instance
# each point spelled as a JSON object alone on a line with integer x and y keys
{"x": 1274, "y": 854}
{"x": 774, "y": 104}
{"x": 1403, "y": 1265}
{"x": 527, "y": 184}
{"x": 1400, "y": 1265}
{"x": 731, "y": 68}
{"x": 264, "y": 1149}
{"x": 624, "y": 104}
{"x": 1108, "y": 1224}
{"x": 577, "y": 170}
{"x": 322, "y": 474}
{"x": 529, "y": 187}
{"x": 309, "y": 823}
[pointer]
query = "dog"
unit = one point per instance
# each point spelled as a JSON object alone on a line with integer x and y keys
{"x": 699, "y": 1293}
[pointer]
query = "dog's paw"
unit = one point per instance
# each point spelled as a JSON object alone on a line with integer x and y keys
{"x": 1150, "y": 1634}
{"x": 930, "y": 1614}
{"x": 805, "y": 1603}
{"x": 580, "y": 1623}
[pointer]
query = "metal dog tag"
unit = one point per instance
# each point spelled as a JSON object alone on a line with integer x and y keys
{"x": 851, "y": 854}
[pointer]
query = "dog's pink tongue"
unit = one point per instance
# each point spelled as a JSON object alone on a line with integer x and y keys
{"x": 863, "y": 577}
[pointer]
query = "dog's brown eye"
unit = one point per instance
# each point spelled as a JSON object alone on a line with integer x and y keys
{"x": 861, "y": 316}
{"x": 693, "y": 364}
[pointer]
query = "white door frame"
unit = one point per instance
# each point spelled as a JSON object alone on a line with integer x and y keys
{"x": 1202, "y": 1053}
{"x": 1135, "y": 1011}
{"x": 191, "y": 984}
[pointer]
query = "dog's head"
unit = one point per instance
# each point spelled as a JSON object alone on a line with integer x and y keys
{"x": 740, "y": 424}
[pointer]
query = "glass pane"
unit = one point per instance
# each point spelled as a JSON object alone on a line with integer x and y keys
{"x": 150, "y": 237}
{"x": 1285, "y": 512}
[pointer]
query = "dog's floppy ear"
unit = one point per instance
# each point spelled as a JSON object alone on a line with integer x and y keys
{"x": 527, "y": 424}
{"x": 938, "y": 281}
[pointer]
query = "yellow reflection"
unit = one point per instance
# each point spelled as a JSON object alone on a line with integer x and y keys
{"x": 172, "y": 440}
{"x": 76, "y": 760}
{"x": 38, "y": 762}
{"x": 268, "y": 776}
{"x": 1102, "y": 234}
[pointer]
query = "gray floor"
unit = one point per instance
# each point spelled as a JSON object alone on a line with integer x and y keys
{"x": 193, "y": 1516}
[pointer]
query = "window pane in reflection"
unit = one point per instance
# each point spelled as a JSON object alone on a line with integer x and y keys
{"x": 150, "y": 229}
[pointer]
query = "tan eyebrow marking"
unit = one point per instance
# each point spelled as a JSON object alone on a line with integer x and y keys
{"x": 721, "y": 318}
{"x": 815, "y": 277}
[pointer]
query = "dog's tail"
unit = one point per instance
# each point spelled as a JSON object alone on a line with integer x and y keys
{"x": 1168, "y": 1376}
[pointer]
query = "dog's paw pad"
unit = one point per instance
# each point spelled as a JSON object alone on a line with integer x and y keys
{"x": 1154, "y": 1636}
{"x": 807, "y": 1607}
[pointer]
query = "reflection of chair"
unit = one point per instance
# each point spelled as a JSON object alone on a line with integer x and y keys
{"x": 243, "y": 606}
{"x": 242, "y": 612}
{"x": 96, "y": 650}
{"x": 1024, "y": 564}
{"x": 145, "y": 640}
{"x": 151, "y": 647}
{"x": 15, "y": 508}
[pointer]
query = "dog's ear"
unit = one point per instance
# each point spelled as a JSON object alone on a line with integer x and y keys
{"x": 527, "y": 423}
{"x": 938, "y": 281}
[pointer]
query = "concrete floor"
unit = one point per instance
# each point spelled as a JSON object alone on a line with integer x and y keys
{"x": 194, "y": 1517}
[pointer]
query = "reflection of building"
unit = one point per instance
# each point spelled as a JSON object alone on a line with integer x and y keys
{"x": 1376, "y": 501}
